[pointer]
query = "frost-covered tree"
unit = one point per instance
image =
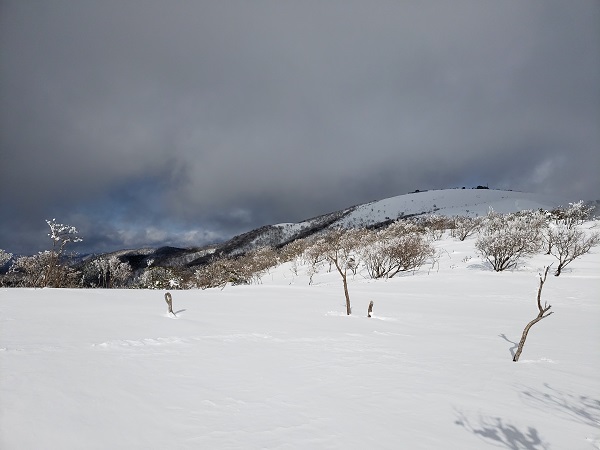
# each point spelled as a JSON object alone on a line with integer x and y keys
{"x": 4, "y": 257}
{"x": 572, "y": 216}
{"x": 121, "y": 272}
{"x": 569, "y": 243}
{"x": 162, "y": 278}
{"x": 111, "y": 272}
{"x": 32, "y": 271}
{"x": 506, "y": 238}
{"x": 61, "y": 235}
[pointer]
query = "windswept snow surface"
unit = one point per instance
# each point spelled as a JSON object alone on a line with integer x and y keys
{"x": 280, "y": 366}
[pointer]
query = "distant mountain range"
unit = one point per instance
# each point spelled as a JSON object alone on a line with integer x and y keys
{"x": 447, "y": 202}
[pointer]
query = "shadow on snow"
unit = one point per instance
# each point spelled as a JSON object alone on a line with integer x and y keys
{"x": 513, "y": 348}
{"x": 580, "y": 408}
{"x": 495, "y": 431}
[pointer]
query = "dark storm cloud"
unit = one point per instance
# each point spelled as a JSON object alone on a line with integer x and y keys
{"x": 150, "y": 123}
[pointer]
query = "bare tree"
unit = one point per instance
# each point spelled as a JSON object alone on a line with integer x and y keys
{"x": 338, "y": 247}
{"x": 569, "y": 243}
{"x": 314, "y": 254}
{"x": 542, "y": 314}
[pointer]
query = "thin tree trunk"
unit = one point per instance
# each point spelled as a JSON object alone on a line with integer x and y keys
{"x": 345, "y": 280}
{"x": 524, "y": 337}
{"x": 543, "y": 313}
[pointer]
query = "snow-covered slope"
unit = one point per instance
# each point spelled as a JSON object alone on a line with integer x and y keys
{"x": 447, "y": 202}
{"x": 280, "y": 366}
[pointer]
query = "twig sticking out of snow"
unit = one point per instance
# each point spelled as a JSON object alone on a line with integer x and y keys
{"x": 169, "y": 301}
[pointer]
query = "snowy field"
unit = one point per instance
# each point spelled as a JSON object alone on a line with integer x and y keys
{"x": 280, "y": 366}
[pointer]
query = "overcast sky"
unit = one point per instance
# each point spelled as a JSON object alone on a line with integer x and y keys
{"x": 150, "y": 123}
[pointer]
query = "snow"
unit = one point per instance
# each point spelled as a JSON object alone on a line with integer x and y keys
{"x": 447, "y": 202}
{"x": 280, "y": 366}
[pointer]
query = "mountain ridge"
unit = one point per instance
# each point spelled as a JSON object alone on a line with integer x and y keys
{"x": 446, "y": 202}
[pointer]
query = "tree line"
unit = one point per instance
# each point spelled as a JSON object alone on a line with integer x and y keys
{"x": 404, "y": 245}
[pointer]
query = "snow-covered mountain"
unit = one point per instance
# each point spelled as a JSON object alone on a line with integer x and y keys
{"x": 446, "y": 202}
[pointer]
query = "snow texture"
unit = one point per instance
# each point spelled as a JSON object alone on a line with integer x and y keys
{"x": 280, "y": 366}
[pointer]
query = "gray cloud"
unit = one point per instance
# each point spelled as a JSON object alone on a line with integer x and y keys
{"x": 144, "y": 123}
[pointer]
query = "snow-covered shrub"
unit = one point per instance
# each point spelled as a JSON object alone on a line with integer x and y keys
{"x": 435, "y": 225}
{"x": 314, "y": 256}
{"x": 121, "y": 272}
{"x": 161, "y": 278}
{"x": 506, "y": 238}
{"x": 4, "y": 257}
{"x": 109, "y": 272}
{"x": 243, "y": 269}
{"x": 48, "y": 268}
{"x": 259, "y": 261}
{"x": 569, "y": 243}
{"x": 30, "y": 270}
{"x": 465, "y": 226}
{"x": 572, "y": 216}
{"x": 33, "y": 271}
{"x": 214, "y": 274}
{"x": 398, "y": 248}
{"x": 293, "y": 250}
